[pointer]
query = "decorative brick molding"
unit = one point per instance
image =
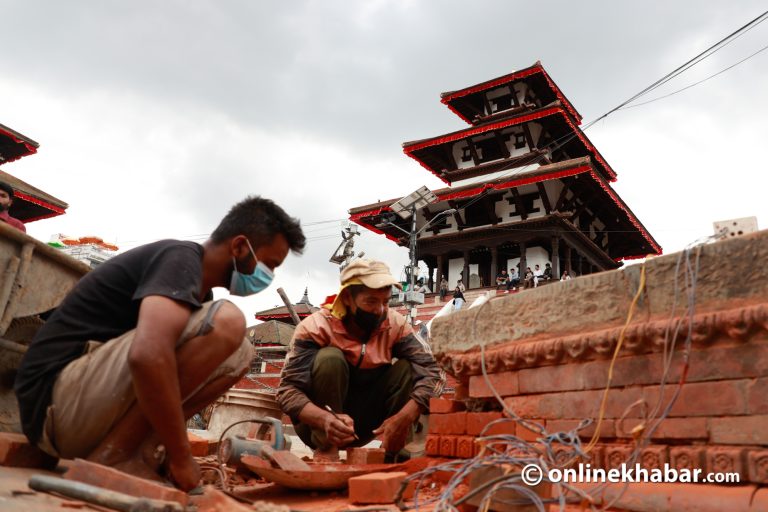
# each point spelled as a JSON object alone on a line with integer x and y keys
{"x": 757, "y": 464}
{"x": 738, "y": 324}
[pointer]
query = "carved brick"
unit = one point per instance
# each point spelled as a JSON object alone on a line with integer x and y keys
{"x": 465, "y": 447}
{"x": 448, "y": 446}
{"x": 653, "y": 457}
{"x": 739, "y": 324}
{"x": 757, "y": 463}
{"x": 432, "y": 445}
{"x": 687, "y": 457}
{"x": 597, "y": 456}
{"x": 616, "y": 455}
{"x": 727, "y": 460}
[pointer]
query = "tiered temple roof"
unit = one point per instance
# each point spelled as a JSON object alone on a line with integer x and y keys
{"x": 529, "y": 186}
{"x": 30, "y": 203}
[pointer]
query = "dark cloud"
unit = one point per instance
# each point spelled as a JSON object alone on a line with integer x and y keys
{"x": 307, "y": 102}
{"x": 365, "y": 73}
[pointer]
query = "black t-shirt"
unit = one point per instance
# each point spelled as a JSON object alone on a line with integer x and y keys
{"x": 103, "y": 305}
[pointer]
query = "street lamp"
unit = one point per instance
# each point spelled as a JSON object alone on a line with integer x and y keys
{"x": 407, "y": 207}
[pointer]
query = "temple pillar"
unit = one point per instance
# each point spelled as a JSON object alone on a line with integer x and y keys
{"x": 494, "y": 265}
{"x": 431, "y": 280}
{"x": 440, "y": 269}
{"x": 555, "y": 257}
{"x": 523, "y": 262}
{"x": 568, "y": 252}
{"x": 465, "y": 271}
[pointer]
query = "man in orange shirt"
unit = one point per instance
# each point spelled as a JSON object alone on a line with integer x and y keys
{"x": 6, "y": 200}
{"x": 341, "y": 358}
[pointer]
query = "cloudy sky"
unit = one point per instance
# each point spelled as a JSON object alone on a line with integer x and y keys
{"x": 154, "y": 117}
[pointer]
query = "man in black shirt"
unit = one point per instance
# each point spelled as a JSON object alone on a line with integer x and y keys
{"x": 138, "y": 346}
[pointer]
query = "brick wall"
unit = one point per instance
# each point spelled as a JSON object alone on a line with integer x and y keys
{"x": 548, "y": 354}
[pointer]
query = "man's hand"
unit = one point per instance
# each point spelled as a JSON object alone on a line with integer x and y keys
{"x": 185, "y": 473}
{"x": 394, "y": 432}
{"x": 395, "y": 429}
{"x": 339, "y": 429}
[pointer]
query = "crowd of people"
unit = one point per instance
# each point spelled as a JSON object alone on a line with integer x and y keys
{"x": 508, "y": 281}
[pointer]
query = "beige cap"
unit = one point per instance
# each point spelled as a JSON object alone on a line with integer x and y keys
{"x": 372, "y": 273}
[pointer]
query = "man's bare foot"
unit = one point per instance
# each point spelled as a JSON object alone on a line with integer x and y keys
{"x": 328, "y": 455}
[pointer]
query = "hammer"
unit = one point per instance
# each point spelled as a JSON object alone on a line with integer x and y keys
{"x": 103, "y": 497}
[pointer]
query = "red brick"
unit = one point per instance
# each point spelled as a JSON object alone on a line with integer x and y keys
{"x": 461, "y": 391}
{"x": 574, "y": 404}
{"x": 757, "y": 391}
{"x": 16, "y": 451}
{"x": 451, "y": 423}
{"x": 739, "y": 430}
{"x": 607, "y": 428}
{"x": 687, "y": 457}
{"x": 505, "y": 384}
{"x": 597, "y": 456}
{"x": 671, "y": 497}
{"x": 718, "y": 398}
{"x": 710, "y": 498}
{"x": 442, "y": 405}
{"x": 375, "y": 487}
{"x": 760, "y": 500}
{"x": 476, "y": 421}
{"x": 432, "y": 445}
{"x": 198, "y": 445}
{"x": 682, "y": 428}
{"x": 114, "y": 480}
{"x": 365, "y": 456}
{"x": 501, "y": 428}
{"x": 448, "y": 446}
{"x": 529, "y": 435}
{"x": 654, "y": 457}
{"x": 734, "y": 362}
{"x": 465, "y": 447}
{"x": 616, "y": 455}
{"x": 727, "y": 460}
{"x": 757, "y": 466}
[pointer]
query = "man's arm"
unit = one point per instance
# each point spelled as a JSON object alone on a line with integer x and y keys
{"x": 292, "y": 396}
{"x": 152, "y": 361}
{"x": 427, "y": 382}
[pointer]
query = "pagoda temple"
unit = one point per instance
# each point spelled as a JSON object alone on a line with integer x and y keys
{"x": 527, "y": 186}
{"x": 303, "y": 309}
{"x": 29, "y": 203}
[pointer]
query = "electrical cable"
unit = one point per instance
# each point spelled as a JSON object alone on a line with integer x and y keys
{"x": 500, "y": 450}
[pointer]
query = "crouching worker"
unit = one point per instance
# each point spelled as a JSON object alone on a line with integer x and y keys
{"x": 342, "y": 358}
{"x": 138, "y": 346}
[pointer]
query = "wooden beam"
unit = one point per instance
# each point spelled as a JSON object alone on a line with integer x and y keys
{"x": 437, "y": 226}
{"x": 578, "y": 211}
{"x": 502, "y": 145}
{"x": 561, "y": 197}
{"x": 519, "y": 203}
{"x": 460, "y": 224}
{"x": 514, "y": 94}
{"x": 473, "y": 151}
{"x": 544, "y": 197}
{"x": 487, "y": 104}
{"x": 489, "y": 167}
{"x": 528, "y": 137}
{"x": 490, "y": 209}
{"x": 450, "y": 161}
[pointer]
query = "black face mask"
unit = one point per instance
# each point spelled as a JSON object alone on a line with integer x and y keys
{"x": 367, "y": 321}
